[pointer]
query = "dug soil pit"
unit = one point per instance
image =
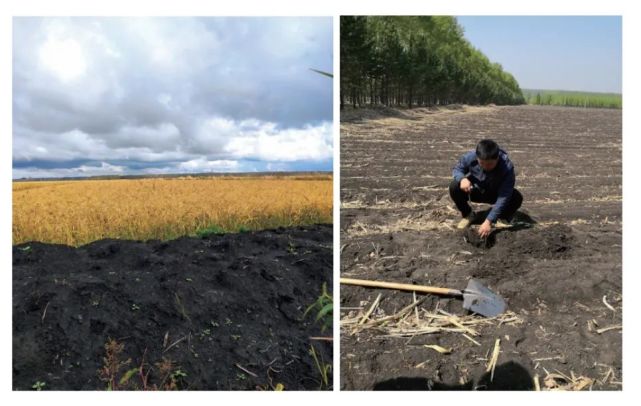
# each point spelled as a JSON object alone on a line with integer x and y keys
{"x": 222, "y": 312}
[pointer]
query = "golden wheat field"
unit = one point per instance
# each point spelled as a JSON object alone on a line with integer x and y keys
{"x": 80, "y": 211}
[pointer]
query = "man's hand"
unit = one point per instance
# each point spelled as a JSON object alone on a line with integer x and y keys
{"x": 466, "y": 185}
{"x": 485, "y": 229}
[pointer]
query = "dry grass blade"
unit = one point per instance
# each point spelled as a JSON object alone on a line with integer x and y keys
{"x": 174, "y": 344}
{"x": 607, "y": 375}
{"x": 472, "y": 340}
{"x": 376, "y": 322}
{"x": 402, "y": 324}
{"x": 165, "y": 340}
{"x": 547, "y": 358}
{"x": 44, "y": 313}
{"x": 491, "y": 365}
{"x": 561, "y": 382}
{"x": 608, "y": 305}
{"x": 455, "y": 321}
{"x": 439, "y": 349}
{"x": 604, "y": 329}
{"x": 371, "y": 309}
{"x": 435, "y": 221}
{"x": 422, "y": 364}
{"x": 246, "y": 371}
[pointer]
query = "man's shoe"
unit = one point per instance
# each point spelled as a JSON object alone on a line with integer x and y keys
{"x": 502, "y": 224}
{"x": 466, "y": 221}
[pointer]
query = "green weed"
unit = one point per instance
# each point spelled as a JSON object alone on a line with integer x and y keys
{"x": 324, "y": 308}
{"x": 211, "y": 230}
{"x": 38, "y": 385}
{"x": 323, "y": 368}
{"x": 136, "y": 378}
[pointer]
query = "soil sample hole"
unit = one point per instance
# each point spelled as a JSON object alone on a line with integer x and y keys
{"x": 471, "y": 236}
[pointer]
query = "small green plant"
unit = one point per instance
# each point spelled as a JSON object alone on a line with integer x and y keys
{"x": 324, "y": 308}
{"x": 26, "y": 249}
{"x": 173, "y": 378}
{"x": 181, "y": 307}
{"x": 211, "y": 230}
{"x": 135, "y": 307}
{"x": 38, "y": 385}
{"x": 127, "y": 376}
{"x": 291, "y": 248}
{"x": 176, "y": 380}
{"x": 323, "y": 368}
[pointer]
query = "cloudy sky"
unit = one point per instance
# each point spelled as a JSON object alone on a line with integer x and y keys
{"x": 99, "y": 96}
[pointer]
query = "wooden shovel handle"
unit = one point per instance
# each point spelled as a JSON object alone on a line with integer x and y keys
{"x": 401, "y": 286}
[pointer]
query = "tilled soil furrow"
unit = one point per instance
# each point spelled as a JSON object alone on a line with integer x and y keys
{"x": 561, "y": 277}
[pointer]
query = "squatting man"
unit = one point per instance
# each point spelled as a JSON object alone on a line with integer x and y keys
{"x": 485, "y": 175}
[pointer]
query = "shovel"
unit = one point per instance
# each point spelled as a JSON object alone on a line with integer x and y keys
{"x": 476, "y": 297}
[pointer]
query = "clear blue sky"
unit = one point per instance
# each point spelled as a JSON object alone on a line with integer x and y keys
{"x": 549, "y": 52}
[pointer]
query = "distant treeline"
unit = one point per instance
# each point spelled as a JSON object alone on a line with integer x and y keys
{"x": 574, "y": 99}
{"x": 417, "y": 61}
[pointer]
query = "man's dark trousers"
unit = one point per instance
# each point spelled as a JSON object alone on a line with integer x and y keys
{"x": 460, "y": 198}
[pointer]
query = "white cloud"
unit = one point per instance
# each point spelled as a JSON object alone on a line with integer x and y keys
{"x": 204, "y": 165}
{"x": 80, "y": 171}
{"x": 218, "y": 139}
{"x": 277, "y": 167}
{"x": 174, "y": 45}
{"x": 162, "y": 137}
{"x": 171, "y": 90}
{"x": 31, "y": 145}
{"x": 256, "y": 139}
{"x": 212, "y": 134}
{"x": 64, "y": 58}
{"x": 266, "y": 142}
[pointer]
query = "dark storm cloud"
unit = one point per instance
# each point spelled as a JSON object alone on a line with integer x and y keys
{"x": 171, "y": 90}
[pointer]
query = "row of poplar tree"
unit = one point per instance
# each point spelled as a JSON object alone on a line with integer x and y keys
{"x": 417, "y": 61}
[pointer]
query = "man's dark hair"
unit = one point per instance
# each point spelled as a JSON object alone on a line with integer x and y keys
{"x": 487, "y": 149}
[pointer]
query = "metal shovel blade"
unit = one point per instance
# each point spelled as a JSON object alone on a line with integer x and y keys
{"x": 479, "y": 299}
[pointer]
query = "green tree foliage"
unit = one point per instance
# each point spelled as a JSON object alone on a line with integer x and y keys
{"x": 417, "y": 61}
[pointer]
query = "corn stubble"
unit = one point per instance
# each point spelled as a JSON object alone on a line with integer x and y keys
{"x": 78, "y": 212}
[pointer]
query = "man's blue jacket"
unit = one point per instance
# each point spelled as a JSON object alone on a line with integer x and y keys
{"x": 499, "y": 182}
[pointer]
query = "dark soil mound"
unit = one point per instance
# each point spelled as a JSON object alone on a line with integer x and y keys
{"x": 510, "y": 249}
{"x": 553, "y": 242}
{"x": 225, "y": 310}
{"x": 550, "y": 242}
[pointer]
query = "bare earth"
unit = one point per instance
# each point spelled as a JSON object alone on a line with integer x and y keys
{"x": 561, "y": 276}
